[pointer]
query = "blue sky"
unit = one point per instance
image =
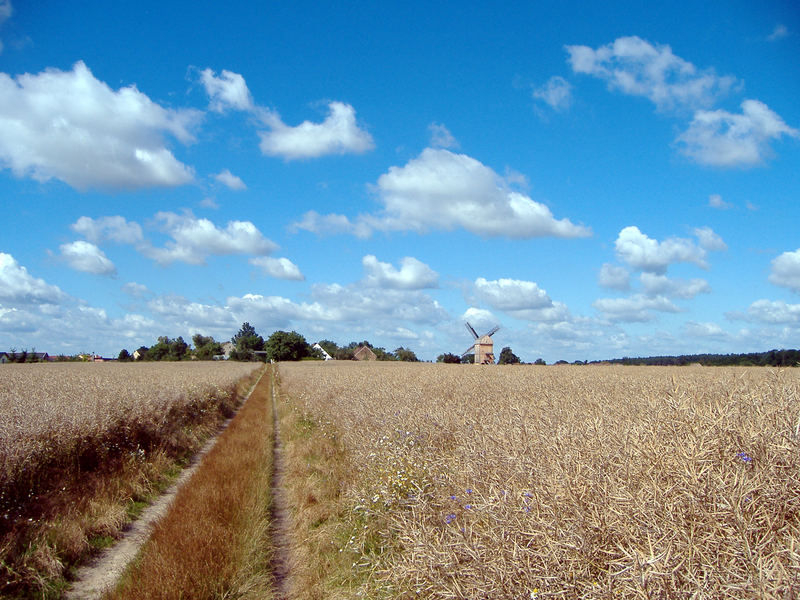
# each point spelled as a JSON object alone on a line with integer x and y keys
{"x": 600, "y": 181}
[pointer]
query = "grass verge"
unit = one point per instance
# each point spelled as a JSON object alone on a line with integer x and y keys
{"x": 214, "y": 541}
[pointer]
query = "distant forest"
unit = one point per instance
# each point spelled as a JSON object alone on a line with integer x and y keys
{"x": 772, "y": 358}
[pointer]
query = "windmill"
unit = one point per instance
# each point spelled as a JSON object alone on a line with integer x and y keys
{"x": 484, "y": 346}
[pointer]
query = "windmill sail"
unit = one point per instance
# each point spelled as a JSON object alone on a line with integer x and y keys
{"x": 471, "y": 329}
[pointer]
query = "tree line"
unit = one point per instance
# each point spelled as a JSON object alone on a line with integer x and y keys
{"x": 771, "y": 358}
{"x": 249, "y": 345}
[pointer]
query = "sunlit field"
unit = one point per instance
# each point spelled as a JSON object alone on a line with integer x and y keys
{"x": 560, "y": 482}
{"x": 83, "y": 445}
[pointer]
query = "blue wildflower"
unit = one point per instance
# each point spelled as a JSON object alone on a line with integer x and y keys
{"x": 469, "y": 490}
{"x": 745, "y": 457}
{"x": 449, "y": 518}
{"x": 467, "y": 506}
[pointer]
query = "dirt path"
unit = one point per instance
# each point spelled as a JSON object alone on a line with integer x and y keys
{"x": 103, "y": 572}
{"x": 280, "y": 514}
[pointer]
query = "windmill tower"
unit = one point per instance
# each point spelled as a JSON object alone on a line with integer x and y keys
{"x": 483, "y": 347}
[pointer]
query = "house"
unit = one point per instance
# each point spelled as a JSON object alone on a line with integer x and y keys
{"x": 227, "y": 349}
{"x": 325, "y": 355}
{"x": 7, "y": 357}
{"x": 364, "y": 353}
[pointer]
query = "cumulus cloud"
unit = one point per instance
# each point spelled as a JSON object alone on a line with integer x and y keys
{"x": 337, "y": 134}
{"x": 331, "y": 224}
{"x": 638, "y": 308}
{"x": 785, "y": 270}
{"x": 86, "y": 257}
{"x": 228, "y": 179}
{"x": 511, "y": 294}
{"x": 228, "y": 91}
{"x": 639, "y": 68}
{"x": 443, "y": 190}
{"x": 135, "y": 290}
{"x": 412, "y": 275}
{"x": 716, "y": 201}
{"x": 614, "y": 277}
{"x": 661, "y": 285}
{"x": 280, "y": 268}
{"x": 356, "y": 303}
{"x": 719, "y": 138}
{"x": 194, "y": 240}
{"x": 441, "y": 136}
{"x": 708, "y": 239}
{"x": 179, "y": 310}
{"x": 18, "y": 287}
{"x": 705, "y": 330}
{"x": 70, "y": 126}
{"x": 556, "y": 93}
{"x": 773, "y": 312}
{"x": 642, "y": 252}
{"x": 115, "y": 229}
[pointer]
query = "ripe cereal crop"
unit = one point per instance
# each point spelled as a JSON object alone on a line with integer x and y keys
{"x": 559, "y": 482}
{"x": 80, "y": 442}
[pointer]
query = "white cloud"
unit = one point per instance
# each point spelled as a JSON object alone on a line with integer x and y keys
{"x": 114, "y": 229}
{"x": 771, "y": 312}
{"x": 480, "y": 318}
{"x": 512, "y": 294}
{"x": 356, "y": 303}
{"x": 778, "y": 33}
{"x": 194, "y": 240}
{"x": 136, "y": 290}
{"x": 613, "y": 277}
{"x": 647, "y": 254}
{"x": 706, "y": 330}
{"x": 785, "y": 270}
{"x": 443, "y": 190}
{"x": 719, "y": 138}
{"x": 636, "y": 309}
{"x": 280, "y": 268}
{"x": 716, "y": 201}
{"x": 337, "y": 134}
{"x": 661, "y": 285}
{"x": 412, "y": 275}
{"x": 184, "y": 314}
{"x": 556, "y": 93}
{"x": 17, "y": 286}
{"x": 441, "y": 136}
{"x": 230, "y": 180}
{"x": 277, "y": 311}
{"x": 708, "y": 239}
{"x": 227, "y": 91}
{"x": 70, "y": 126}
{"x": 331, "y": 224}
{"x": 86, "y": 257}
{"x": 636, "y": 67}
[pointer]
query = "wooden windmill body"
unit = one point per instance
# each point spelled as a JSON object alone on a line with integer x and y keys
{"x": 483, "y": 349}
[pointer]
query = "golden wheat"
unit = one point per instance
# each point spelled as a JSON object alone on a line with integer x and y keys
{"x": 564, "y": 482}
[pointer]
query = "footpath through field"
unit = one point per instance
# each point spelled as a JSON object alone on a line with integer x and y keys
{"x": 229, "y": 483}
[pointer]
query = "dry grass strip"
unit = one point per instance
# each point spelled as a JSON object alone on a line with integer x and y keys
{"x": 213, "y": 543}
{"x": 555, "y": 482}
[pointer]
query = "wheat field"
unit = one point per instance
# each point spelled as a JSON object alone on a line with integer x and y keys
{"x": 563, "y": 481}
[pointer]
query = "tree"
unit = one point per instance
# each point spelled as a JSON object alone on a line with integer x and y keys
{"x": 507, "y": 357}
{"x": 124, "y": 356}
{"x": 205, "y": 347}
{"x": 448, "y": 358}
{"x": 405, "y": 355}
{"x": 142, "y": 350}
{"x": 246, "y": 341}
{"x": 283, "y": 346}
{"x": 468, "y": 359}
{"x": 539, "y": 361}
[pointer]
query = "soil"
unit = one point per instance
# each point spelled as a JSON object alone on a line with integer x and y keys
{"x": 280, "y": 514}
